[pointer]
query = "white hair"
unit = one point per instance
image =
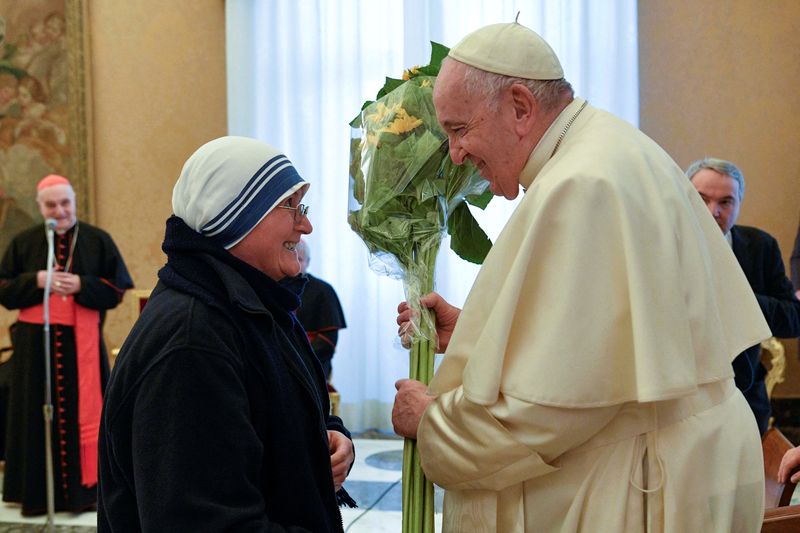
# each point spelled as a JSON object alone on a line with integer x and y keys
{"x": 548, "y": 93}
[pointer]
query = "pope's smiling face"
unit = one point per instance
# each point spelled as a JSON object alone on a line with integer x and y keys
{"x": 479, "y": 130}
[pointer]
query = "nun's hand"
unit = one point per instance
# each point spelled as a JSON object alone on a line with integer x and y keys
{"x": 342, "y": 456}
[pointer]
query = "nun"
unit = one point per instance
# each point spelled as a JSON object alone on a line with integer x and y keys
{"x": 216, "y": 416}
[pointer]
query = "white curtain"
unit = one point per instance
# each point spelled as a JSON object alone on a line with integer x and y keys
{"x": 298, "y": 73}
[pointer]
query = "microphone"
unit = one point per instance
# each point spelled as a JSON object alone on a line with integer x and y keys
{"x": 50, "y": 226}
{"x": 47, "y": 408}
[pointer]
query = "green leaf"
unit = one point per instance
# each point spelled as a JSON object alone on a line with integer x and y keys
{"x": 405, "y": 191}
{"x": 390, "y": 85}
{"x": 467, "y": 239}
{"x": 480, "y": 200}
{"x": 438, "y": 53}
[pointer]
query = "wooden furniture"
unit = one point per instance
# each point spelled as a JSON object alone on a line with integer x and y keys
{"x": 782, "y": 520}
{"x": 779, "y": 516}
{"x": 335, "y": 399}
{"x": 774, "y": 445}
{"x": 139, "y": 298}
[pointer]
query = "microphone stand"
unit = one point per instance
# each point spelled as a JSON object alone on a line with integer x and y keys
{"x": 47, "y": 408}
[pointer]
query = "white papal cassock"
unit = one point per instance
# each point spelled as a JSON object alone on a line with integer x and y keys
{"x": 588, "y": 384}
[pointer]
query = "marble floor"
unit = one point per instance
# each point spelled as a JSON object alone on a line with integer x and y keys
{"x": 374, "y": 482}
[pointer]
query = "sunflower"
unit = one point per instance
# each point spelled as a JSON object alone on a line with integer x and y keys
{"x": 402, "y": 123}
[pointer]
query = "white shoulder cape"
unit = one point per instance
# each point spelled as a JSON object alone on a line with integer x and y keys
{"x": 610, "y": 282}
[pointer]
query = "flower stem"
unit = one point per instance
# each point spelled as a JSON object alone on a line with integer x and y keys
{"x": 418, "y": 493}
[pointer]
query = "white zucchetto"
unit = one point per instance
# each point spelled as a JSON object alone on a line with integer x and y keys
{"x": 509, "y": 49}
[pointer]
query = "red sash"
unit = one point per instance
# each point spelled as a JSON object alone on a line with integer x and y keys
{"x": 86, "y": 322}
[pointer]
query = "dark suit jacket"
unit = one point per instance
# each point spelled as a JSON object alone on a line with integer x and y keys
{"x": 760, "y": 258}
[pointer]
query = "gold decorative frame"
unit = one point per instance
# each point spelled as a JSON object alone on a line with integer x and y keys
{"x": 777, "y": 363}
{"x": 776, "y": 374}
{"x": 81, "y": 168}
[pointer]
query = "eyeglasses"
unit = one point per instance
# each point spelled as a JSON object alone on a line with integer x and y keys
{"x": 300, "y": 211}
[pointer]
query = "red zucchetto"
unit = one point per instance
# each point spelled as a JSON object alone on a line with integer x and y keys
{"x": 51, "y": 180}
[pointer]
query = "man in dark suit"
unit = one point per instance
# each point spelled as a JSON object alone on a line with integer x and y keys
{"x": 721, "y": 185}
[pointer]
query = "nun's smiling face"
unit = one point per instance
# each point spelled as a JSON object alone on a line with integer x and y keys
{"x": 270, "y": 246}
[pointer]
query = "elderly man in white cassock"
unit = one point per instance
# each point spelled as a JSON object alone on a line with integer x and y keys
{"x": 587, "y": 382}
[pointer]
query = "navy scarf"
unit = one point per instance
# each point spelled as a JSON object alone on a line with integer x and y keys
{"x": 188, "y": 271}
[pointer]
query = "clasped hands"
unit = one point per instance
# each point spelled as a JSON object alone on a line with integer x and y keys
{"x": 412, "y": 397}
{"x": 64, "y": 283}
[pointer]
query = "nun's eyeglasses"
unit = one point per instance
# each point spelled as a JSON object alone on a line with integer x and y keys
{"x": 300, "y": 211}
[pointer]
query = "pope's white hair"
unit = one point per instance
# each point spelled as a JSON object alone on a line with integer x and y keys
{"x": 548, "y": 93}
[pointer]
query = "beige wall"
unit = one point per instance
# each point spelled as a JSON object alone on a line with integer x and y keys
{"x": 158, "y": 91}
{"x": 721, "y": 78}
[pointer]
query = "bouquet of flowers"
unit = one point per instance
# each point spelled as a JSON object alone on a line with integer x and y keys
{"x": 405, "y": 194}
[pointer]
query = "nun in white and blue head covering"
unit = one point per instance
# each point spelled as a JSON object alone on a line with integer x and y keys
{"x": 216, "y": 392}
{"x": 230, "y": 187}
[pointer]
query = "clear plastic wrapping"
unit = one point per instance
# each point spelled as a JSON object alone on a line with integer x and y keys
{"x": 403, "y": 188}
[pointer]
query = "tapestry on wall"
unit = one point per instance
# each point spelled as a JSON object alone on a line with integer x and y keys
{"x": 43, "y": 107}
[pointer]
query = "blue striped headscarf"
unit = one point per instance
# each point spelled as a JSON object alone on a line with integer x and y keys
{"x": 230, "y": 184}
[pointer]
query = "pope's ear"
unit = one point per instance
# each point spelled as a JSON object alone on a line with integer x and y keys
{"x": 525, "y": 107}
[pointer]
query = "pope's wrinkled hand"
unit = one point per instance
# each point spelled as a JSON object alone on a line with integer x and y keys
{"x": 446, "y": 318}
{"x": 410, "y": 402}
{"x": 342, "y": 456}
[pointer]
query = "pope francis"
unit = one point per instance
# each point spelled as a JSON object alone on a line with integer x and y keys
{"x": 587, "y": 383}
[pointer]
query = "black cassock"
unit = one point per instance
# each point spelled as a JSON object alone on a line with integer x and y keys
{"x": 104, "y": 278}
{"x": 321, "y": 315}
